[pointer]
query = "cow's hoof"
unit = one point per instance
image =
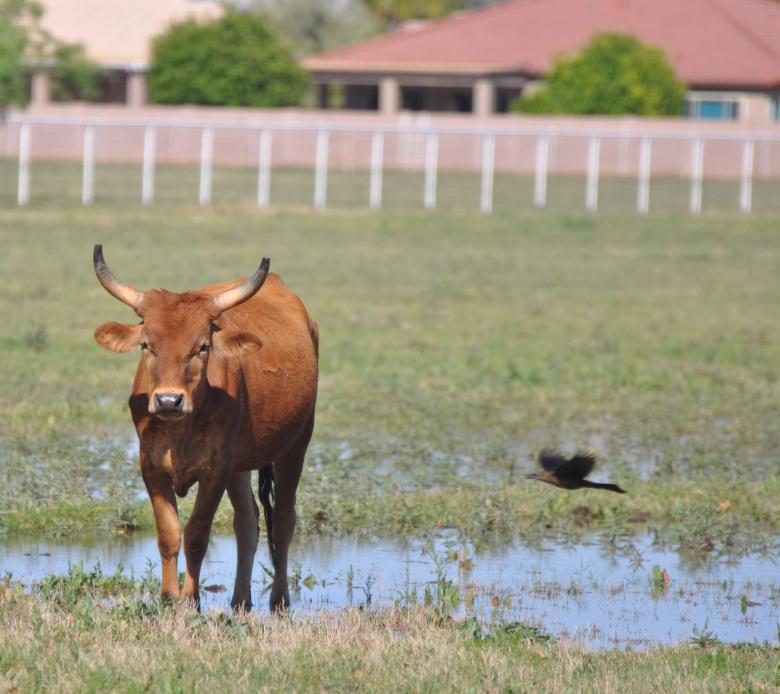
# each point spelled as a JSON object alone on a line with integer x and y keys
{"x": 168, "y": 598}
{"x": 279, "y": 603}
{"x": 191, "y": 601}
{"x": 241, "y": 606}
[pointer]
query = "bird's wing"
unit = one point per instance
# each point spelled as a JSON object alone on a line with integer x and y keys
{"x": 551, "y": 460}
{"x": 580, "y": 465}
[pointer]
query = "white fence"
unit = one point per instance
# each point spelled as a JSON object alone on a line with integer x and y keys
{"x": 381, "y": 165}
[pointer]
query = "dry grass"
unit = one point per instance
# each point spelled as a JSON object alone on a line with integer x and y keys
{"x": 46, "y": 646}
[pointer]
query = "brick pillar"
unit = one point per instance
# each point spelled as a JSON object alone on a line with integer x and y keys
{"x": 41, "y": 89}
{"x": 484, "y": 98}
{"x": 136, "y": 94}
{"x": 389, "y": 95}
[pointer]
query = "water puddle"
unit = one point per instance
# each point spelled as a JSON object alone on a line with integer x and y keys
{"x": 636, "y": 597}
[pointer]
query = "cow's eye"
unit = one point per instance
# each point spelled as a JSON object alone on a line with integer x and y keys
{"x": 144, "y": 347}
{"x": 204, "y": 348}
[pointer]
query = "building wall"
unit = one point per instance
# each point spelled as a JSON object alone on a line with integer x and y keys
{"x": 119, "y": 32}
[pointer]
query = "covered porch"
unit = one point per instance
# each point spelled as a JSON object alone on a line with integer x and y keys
{"x": 481, "y": 95}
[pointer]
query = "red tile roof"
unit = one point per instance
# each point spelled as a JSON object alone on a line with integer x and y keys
{"x": 711, "y": 43}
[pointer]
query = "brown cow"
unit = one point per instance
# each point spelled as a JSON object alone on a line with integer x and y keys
{"x": 226, "y": 384}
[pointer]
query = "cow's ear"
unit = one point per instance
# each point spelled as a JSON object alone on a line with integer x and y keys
{"x": 118, "y": 337}
{"x": 234, "y": 343}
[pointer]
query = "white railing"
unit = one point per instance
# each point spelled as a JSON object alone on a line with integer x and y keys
{"x": 481, "y": 167}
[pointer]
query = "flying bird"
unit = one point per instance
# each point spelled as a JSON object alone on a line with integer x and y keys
{"x": 569, "y": 473}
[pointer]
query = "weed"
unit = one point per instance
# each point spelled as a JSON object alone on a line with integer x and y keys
{"x": 660, "y": 581}
{"x": 504, "y": 632}
{"x": 703, "y": 638}
{"x": 36, "y": 337}
{"x": 367, "y": 589}
{"x": 80, "y": 584}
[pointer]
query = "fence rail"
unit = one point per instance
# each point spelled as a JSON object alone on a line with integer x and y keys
{"x": 384, "y": 165}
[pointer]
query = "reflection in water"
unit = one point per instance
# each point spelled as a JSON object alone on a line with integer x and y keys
{"x": 584, "y": 592}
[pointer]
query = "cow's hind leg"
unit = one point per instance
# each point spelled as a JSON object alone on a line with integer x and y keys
{"x": 245, "y": 517}
{"x": 281, "y": 513}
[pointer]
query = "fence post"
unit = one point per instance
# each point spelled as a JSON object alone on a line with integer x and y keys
{"x": 321, "y": 170}
{"x": 206, "y": 157}
{"x": 23, "y": 189}
{"x": 88, "y": 173}
{"x": 488, "y": 163}
{"x": 147, "y": 171}
{"x": 431, "y": 163}
{"x": 592, "y": 185}
{"x": 540, "y": 173}
{"x": 697, "y": 166}
{"x": 643, "y": 187}
{"x": 746, "y": 187}
{"x": 264, "y": 169}
{"x": 377, "y": 157}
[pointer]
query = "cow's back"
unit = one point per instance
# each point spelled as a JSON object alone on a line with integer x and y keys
{"x": 279, "y": 381}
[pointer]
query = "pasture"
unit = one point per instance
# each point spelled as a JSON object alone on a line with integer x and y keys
{"x": 454, "y": 346}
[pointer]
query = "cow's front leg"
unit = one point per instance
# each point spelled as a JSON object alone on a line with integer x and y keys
{"x": 166, "y": 521}
{"x": 197, "y": 531}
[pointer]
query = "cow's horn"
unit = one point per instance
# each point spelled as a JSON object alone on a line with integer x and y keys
{"x": 233, "y": 297}
{"x": 125, "y": 293}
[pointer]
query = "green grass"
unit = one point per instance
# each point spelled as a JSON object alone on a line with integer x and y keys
{"x": 60, "y": 183}
{"x": 89, "y": 632}
{"x": 454, "y": 346}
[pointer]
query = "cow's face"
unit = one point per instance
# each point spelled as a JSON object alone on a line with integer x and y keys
{"x": 176, "y": 336}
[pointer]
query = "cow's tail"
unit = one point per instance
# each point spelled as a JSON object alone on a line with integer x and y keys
{"x": 265, "y": 490}
{"x": 314, "y": 331}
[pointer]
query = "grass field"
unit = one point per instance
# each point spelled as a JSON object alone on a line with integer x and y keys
{"x": 454, "y": 347}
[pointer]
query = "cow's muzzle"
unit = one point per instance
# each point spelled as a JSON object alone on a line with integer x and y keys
{"x": 169, "y": 403}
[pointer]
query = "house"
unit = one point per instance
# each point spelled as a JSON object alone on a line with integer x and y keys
{"x": 117, "y": 35}
{"x": 479, "y": 61}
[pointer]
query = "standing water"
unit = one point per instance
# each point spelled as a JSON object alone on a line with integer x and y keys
{"x": 638, "y": 597}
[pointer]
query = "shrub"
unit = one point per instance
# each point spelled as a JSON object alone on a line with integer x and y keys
{"x": 25, "y": 45}
{"x": 614, "y": 74}
{"x": 234, "y": 61}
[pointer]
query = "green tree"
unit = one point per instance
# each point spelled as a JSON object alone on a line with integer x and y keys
{"x": 614, "y": 74}
{"x": 394, "y": 12}
{"x": 236, "y": 60}
{"x": 312, "y": 26}
{"x": 25, "y": 45}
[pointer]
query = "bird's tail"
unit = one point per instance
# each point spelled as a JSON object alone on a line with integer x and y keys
{"x": 606, "y": 486}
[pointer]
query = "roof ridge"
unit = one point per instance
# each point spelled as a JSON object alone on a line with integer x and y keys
{"x": 743, "y": 28}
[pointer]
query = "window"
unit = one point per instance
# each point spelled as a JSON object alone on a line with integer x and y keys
{"x": 712, "y": 108}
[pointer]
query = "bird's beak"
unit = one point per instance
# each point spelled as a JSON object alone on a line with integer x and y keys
{"x": 532, "y": 476}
